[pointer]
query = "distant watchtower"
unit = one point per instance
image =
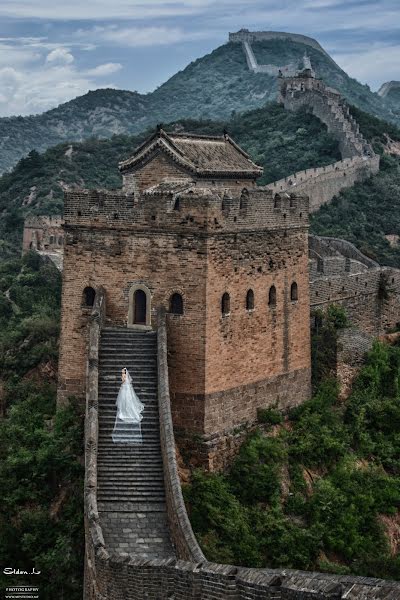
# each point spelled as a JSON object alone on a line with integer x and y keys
{"x": 190, "y": 231}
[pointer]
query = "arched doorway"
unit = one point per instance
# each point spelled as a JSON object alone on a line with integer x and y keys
{"x": 140, "y": 302}
{"x": 139, "y": 313}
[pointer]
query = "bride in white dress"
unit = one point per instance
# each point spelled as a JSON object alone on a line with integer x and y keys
{"x": 127, "y": 428}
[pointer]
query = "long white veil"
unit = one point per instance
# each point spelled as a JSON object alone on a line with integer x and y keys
{"x": 127, "y": 428}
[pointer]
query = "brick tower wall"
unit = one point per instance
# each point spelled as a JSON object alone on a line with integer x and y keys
{"x": 222, "y": 369}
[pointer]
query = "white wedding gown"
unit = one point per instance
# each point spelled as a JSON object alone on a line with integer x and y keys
{"x": 127, "y": 428}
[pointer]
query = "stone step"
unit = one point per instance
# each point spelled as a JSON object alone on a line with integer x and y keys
{"x": 144, "y": 383}
{"x": 136, "y": 345}
{"x": 111, "y": 394}
{"x": 147, "y": 428}
{"x": 131, "y": 479}
{"x": 137, "y": 378}
{"x": 109, "y": 410}
{"x": 115, "y": 496}
{"x": 122, "y": 469}
{"x": 150, "y": 417}
{"x": 149, "y": 466}
{"x": 131, "y": 467}
{"x": 135, "y": 507}
{"x": 147, "y": 436}
{"x": 130, "y": 330}
{"x": 136, "y": 486}
{"x": 115, "y": 362}
{"x": 132, "y": 357}
{"x": 126, "y": 452}
{"x": 112, "y": 339}
{"x": 148, "y": 425}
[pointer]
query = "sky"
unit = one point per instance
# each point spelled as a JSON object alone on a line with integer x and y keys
{"x": 53, "y": 51}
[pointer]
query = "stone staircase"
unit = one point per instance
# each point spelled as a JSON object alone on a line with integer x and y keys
{"x": 130, "y": 481}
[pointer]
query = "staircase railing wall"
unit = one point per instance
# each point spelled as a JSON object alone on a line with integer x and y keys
{"x": 181, "y": 532}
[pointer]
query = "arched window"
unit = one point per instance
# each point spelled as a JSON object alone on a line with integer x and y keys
{"x": 277, "y": 201}
{"x": 244, "y": 196}
{"x": 225, "y": 304}
{"x": 272, "y": 296}
{"x": 176, "y": 304}
{"x": 294, "y": 295}
{"x": 250, "y": 300}
{"x": 60, "y": 240}
{"x": 139, "y": 310}
{"x": 292, "y": 202}
{"x": 89, "y": 295}
{"x": 177, "y": 204}
{"x": 140, "y": 313}
{"x": 52, "y": 239}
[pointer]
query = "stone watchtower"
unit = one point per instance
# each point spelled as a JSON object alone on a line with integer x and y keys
{"x": 191, "y": 232}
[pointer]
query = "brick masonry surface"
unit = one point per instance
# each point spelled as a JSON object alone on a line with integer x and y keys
{"x": 217, "y": 368}
{"x": 123, "y": 576}
{"x": 222, "y": 367}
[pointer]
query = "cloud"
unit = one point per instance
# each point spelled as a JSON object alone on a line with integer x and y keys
{"x": 76, "y": 10}
{"x": 385, "y": 61}
{"x": 361, "y": 35}
{"x": 104, "y": 70}
{"x": 26, "y": 90}
{"x": 60, "y": 56}
{"x": 137, "y": 37}
{"x": 15, "y": 56}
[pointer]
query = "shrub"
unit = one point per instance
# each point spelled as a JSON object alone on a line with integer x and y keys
{"x": 269, "y": 416}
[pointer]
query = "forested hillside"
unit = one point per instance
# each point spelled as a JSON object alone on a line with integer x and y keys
{"x": 211, "y": 87}
{"x": 319, "y": 490}
{"x": 41, "y": 466}
{"x": 367, "y": 212}
{"x": 281, "y": 141}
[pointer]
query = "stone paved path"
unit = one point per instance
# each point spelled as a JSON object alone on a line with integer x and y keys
{"x": 130, "y": 488}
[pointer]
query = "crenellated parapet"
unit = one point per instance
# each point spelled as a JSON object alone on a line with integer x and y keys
{"x": 321, "y": 184}
{"x": 201, "y": 210}
{"x": 340, "y": 274}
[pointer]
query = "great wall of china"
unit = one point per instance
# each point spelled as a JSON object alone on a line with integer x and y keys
{"x": 301, "y": 89}
{"x": 387, "y": 87}
{"x": 154, "y": 554}
{"x": 181, "y": 572}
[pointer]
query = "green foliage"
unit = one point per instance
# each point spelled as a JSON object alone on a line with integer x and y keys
{"x": 336, "y": 317}
{"x": 375, "y": 130}
{"x": 218, "y": 517}
{"x": 324, "y": 341}
{"x": 269, "y": 416}
{"x": 255, "y": 472}
{"x": 349, "y": 454}
{"x": 41, "y": 472}
{"x": 373, "y": 410}
{"x": 29, "y": 314}
{"x": 319, "y": 437}
{"x": 41, "y": 496}
{"x": 353, "y": 215}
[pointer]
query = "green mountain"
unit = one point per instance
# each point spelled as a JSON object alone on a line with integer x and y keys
{"x": 211, "y": 87}
{"x": 281, "y": 141}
